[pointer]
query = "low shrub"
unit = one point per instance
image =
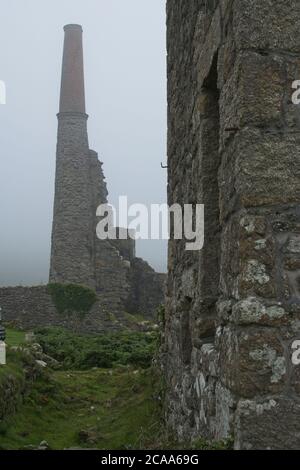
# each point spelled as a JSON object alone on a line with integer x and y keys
{"x": 104, "y": 351}
{"x": 69, "y": 298}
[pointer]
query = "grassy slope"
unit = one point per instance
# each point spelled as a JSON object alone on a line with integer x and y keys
{"x": 117, "y": 407}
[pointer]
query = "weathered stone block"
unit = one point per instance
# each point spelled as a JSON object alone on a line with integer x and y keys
{"x": 251, "y": 311}
{"x": 268, "y": 424}
{"x": 225, "y": 408}
{"x": 260, "y": 168}
{"x": 256, "y": 278}
{"x": 267, "y": 24}
{"x": 252, "y": 361}
{"x": 254, "y": 93}
{"x": 247, "y": 257}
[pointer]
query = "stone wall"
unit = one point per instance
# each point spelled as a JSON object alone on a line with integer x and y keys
{"x": 233, "y": 309}
{"x": 32, "y": 307}
{"x": 147, "y": 289}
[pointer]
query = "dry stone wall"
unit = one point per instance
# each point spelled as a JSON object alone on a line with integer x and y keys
{"x": 233, "y": 309}
{"x": 32, "y": 307}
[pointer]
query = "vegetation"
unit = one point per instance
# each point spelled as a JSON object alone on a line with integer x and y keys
{"x": 161, "y": 315}
{"x": 16, "y": 360}
{"x": 14, "y": 365}
{"x": 14, "y": 369}
{"x": 16, "y": 378}
{"x": 70, "y": 298}
{"x": 14, "y": 337}
{"x": 135, "y": 319}
{"x": 94, "y": 409}
{"x": 108, "y": 350}
{"x": 104, "y": 408}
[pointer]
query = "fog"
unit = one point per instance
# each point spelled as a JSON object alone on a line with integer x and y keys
{"x": 125, "y": 78}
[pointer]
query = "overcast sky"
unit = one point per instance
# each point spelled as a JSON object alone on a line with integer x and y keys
{"x": 125, "y": 73}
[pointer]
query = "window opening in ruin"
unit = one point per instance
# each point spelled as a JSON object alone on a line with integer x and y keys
{"x": 210, "y": 255}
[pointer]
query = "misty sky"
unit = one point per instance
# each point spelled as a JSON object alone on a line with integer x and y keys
{"x": 125, "y": 75}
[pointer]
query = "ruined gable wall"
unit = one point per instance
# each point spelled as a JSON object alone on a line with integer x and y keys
{"x": 234, "y": 144}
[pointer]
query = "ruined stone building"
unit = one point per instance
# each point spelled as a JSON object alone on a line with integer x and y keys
{"x": 233, "y": 309}
{"x": 123, "y": 283}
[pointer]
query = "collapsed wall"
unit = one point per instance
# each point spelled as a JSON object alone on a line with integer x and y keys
{"x": 233, "y": 309}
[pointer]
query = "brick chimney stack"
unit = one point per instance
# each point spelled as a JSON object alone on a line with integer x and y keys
{"x": 72, "y": 96}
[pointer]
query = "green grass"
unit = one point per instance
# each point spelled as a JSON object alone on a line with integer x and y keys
{"x": 16, "y": 378}
{"x": 14, "y": 360}
{"x": 118, "y": 408}
{"x": 14, "y": 337}
{"x": 135, "y": 319}
{"x": 14, "y": 365}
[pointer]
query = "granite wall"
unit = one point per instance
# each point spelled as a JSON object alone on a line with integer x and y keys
{"x": 32, "y": 307}
{"x": 233, "y": 309}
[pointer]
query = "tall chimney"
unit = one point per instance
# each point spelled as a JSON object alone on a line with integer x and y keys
{"x": 73, "y": 216}
{"x": 72, "y": 95}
